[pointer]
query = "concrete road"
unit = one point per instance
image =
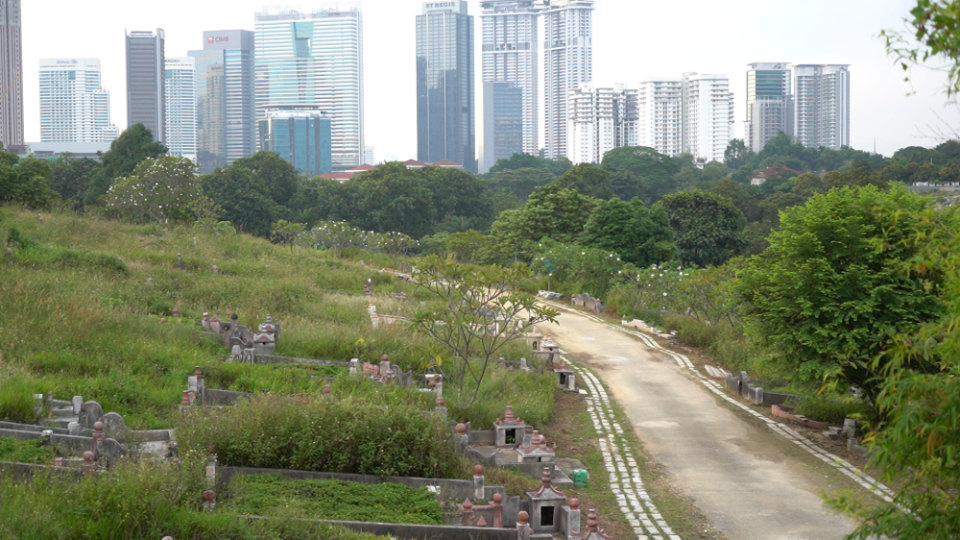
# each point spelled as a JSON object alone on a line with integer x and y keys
{"x": 744, "y": 478}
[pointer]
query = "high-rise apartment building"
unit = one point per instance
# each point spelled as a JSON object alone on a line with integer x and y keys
{"x": 822, "y": 105}
{"x": 446, "y": 120}
{"x": 769, "y": 103}
{"x": 509, "y": 55}
{"x": 226, "y": 99}
{"x": 315, "y": 59}
{"x": 74, "y": 108}
{"x": 181, "y": 107}
{"x": 300, "y": 135}
{"x": 146, "y": 81}
{"x": 11, "y": 75}
{"x": 368, "y": 156}
{"x": 502, "y": 122}
{"x": 660, "y": 124}
{"x": 705, "y": 116}
{"x": 567, "y": 63}
{"x": 599, "y": 120}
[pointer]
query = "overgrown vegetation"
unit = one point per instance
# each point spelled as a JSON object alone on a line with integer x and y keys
{"x": 269, "y": 494}
{"x": 34, "y": 451}
{"x": 341, "y": 435}
{"x": 138, "y": 501}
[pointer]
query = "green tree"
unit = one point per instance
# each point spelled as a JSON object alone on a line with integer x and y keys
{"x": 737, "y": 154}
{"x": 855, "y": 177}
{"x": 525, "y": 161}
{"x": 640, "y": 236}
{"x": 72, "y": 176}
{"x": 521, "y": 182}
{"x": 655, "y": 173}
{"x": 834, "y": 283}
{"x": 481, "y": 310}
{"x": 393, "y": 198}
{"x": 277, "y": 174}
{"x": 126, "y": 152}
{"x": 588, "y": 180}
{"x": 933, "y": 34}
{"x": 707, "y": 228}
{"x": 466, "y": 246}
{"x": 33, "y": 183}
{"x": 285, "y": 233}
{"x": 556, "y": 212}
{"x": 244, "y": 198}
{"x": 160, "y": 190}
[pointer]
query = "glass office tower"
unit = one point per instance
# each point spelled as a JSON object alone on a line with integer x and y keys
{"x": 315, "y": 59}
{"x": 446, "y": 127}
{"x": 226, "y": 104}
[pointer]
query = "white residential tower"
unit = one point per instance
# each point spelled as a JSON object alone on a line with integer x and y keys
{"x": 74, "y": 108}
{"x": 600, "y": 120}
{"x": 822, "y": 105}
{"x": 567, "y": 63}
{"x": 181, "y": 107}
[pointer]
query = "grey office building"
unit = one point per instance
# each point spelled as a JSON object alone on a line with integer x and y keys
{"x": 226, "y": 98}
{"x": 11, "y": 75}
{"x": 146, "y": 86}
{"x": 503, "y": 122}
{"x": 446, "y": 125}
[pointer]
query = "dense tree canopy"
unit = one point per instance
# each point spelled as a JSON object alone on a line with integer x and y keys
{"x": 588, "y": 180}
{"x": 640, "y": 235}
{"x": 277, "y": 173}
{"x": 25, "y": 181}
{"x": 161, "y": 190}
{"x": 707, "y": 228}
{"x": 135, "y": 144}
{"x": 244, "y": 198}
{"x": 832, "y": 287}
{"x": 641, "y": 172}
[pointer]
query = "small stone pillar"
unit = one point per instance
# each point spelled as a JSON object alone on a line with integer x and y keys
{"x": 201, "y": 387}
{"x": 478, "y": 483}
{"x": 73, "y": 428}
{"x": 211, "y": 470}
{"x": 523, "y": 529}
{"x": 438, "y": 385}
{"x": 528, "y": 436}
{"x": 384, "y": 366}
{"x": 167, "y": 538}
{"x": 573, "y": 518}
{"x": 497, "y": 510}
{"x": 89, "y": 464}
{"x": 441, "y": 408}
{"x": 77, "y": 404}
{"x": 463, "y": 440}
{"x": 215, "y": 270}
{"x": 481, "y": 522}
{"x": 354, "y": 367}
{"x": 467, "y": 513}
{"x": 327, "y": 392}
{"x": 175, "y": 313}
{"x": 523, "y": 364}
{"x": 209, "y": 501}
{"x": 179, "y": 261}
{"x": 185, "y": 399}
{"x": 593, "y": 530}
{"x": 99, "y": 443}
{"x": 58, "y": 462}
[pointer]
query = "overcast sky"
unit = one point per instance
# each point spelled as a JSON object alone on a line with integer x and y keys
{"x": 633, "y": 39}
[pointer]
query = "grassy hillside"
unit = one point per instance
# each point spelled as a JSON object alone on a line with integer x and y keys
{"x": 82, "y": 308}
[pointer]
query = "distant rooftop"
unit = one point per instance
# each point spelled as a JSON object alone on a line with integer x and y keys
{"x": 296, "y": 12}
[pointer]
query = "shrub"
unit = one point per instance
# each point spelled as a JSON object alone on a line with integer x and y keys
{"x": 691, "y": 332}
{"x": 263, "y": 494}
{"x": 331, "y": 436}
{"x": 16, "y": 401}
{"x": 26, "y": 451}
{"x": 833, "y": 409}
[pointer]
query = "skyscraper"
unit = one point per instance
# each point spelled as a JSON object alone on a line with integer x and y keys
{"x": 226, "y": 99}
{"x": 509, "y": 54}
{"x": 502, "y": 122}
{"x": 299, "y": 134}
{"x": 769, "y": 103}
{"x": 145, "y": 81}
{"x": 181, "y": 107}
{"x": 599, "y": 120}
{"x": 661, "y": 115}
{"x": 74, "y": 108}
{"x": 567, "y": 63}
{"x": 11, "y": 75}
{"x": 705, "y": 115}
{"x": 822, "y": 96}
{"x": 446, "y": 127}
{"x": 316, "y": 60}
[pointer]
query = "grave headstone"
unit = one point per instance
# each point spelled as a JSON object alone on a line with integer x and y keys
{"x": 115, "y": 427}
{"x": 509, "y": 430}
{"x": 90, "y": 413}
{"x": 545, "y": 503}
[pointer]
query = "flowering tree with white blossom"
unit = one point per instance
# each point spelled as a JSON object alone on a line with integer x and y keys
{"x": 161, "y": 190}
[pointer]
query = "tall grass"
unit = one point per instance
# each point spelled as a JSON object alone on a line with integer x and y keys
{"x": 82, "y": 313}
{"x": 142, "y": 501}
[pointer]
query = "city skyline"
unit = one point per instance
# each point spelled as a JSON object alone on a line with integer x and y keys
{"x": 880, "y": 109}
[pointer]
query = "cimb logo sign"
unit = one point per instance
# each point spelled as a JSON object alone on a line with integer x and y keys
{"x": 218, "y": 39}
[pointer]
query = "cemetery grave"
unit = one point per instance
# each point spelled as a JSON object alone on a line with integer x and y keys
{"x": 287, "y": 378}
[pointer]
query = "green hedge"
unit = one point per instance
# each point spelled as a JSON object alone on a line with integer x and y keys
{"x": 331, "y": 436}
{"x": 264, "y": 494}
{"x": 26, "y": 451}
